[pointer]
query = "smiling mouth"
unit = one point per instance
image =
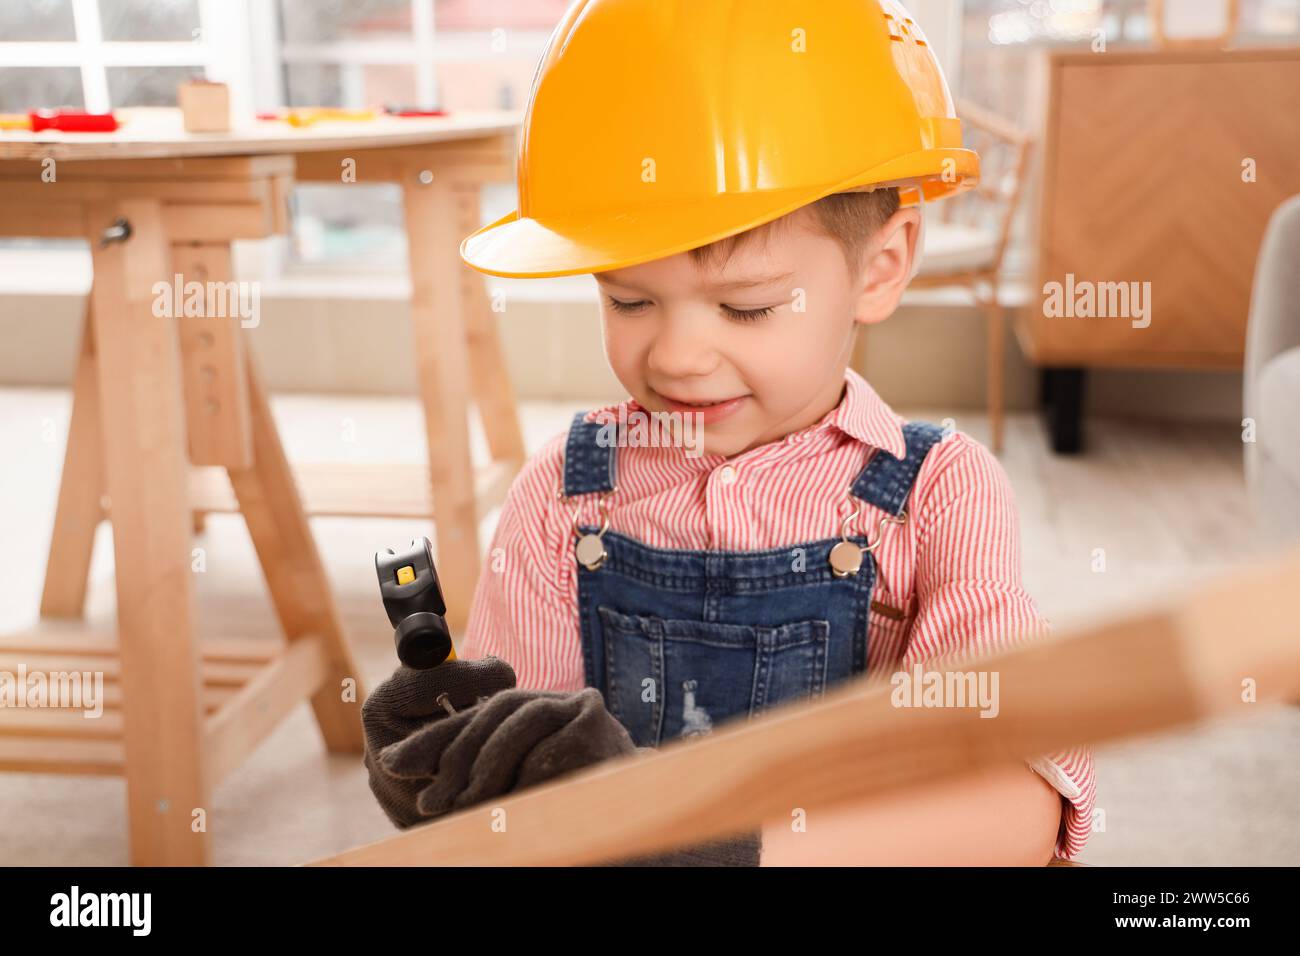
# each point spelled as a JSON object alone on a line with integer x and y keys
{"x": 720, "y": 401}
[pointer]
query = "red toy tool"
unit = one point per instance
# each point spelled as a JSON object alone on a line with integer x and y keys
{"x": 72, "y": 121}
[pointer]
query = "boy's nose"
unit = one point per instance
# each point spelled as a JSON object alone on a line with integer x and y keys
{"x": 681, "y": 358}
{"x": 680, "y": 353}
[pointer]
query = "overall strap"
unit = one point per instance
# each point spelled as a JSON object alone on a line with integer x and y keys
{"x": 588, "y": 465}
{"x": 886, "y": 480}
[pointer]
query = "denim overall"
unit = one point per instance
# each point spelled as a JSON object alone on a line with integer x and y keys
{"x": 678, "y": 641}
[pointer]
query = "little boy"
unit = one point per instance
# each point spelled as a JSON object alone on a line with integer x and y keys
{"x": 731, "y": 174}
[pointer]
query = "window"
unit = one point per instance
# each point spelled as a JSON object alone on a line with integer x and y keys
{"x": 99, "y": 54}
{"x": 452, "y": 54}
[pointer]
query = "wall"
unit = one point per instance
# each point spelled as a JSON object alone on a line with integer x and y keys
{"x": 921, "y": 357}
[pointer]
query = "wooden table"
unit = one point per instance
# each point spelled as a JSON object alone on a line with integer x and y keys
{"x": 153, "y": 396}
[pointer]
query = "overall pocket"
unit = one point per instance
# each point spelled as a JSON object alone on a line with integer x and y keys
{"x": 669, "y": 678}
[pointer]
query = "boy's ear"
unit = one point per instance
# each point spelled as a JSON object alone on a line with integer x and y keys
{"x": 886, "y": 267}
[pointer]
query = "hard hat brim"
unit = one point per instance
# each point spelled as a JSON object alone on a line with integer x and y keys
{"x": 520, "y": 247}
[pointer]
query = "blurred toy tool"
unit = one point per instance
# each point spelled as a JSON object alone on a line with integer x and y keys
{"x": 412, "y": 111}
{"x": 63, "y": 121}
{"x": 408, "y": 583}
{"x": 324, "y": 114}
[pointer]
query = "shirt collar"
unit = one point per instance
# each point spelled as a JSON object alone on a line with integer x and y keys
{"x": 863, "y": 414}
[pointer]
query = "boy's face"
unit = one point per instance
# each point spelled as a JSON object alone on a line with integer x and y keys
{"x": 772, "y": 329}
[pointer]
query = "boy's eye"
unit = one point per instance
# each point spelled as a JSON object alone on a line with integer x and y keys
{"x": 749, "y": 315}
{"x": 627, "y": 308}
{"x": 739, "y": 315}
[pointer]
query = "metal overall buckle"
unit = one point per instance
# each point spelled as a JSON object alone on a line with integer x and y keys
{"x": 590, "y": 549}
{"x": 846, "y": 557}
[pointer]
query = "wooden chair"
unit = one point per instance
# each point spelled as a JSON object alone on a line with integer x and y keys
{"x": 1182, "y": 660}
{"x": 966, "y": 242}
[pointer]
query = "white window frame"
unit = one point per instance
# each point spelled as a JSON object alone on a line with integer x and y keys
{"x": 424, "y": 51}
{"x": 219, "y": 49}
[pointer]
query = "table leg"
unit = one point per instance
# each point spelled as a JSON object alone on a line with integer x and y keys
{"x": 291, "y": 563}
{"x": 433, "y": 237}
{"x": 490, "y": 381}
{"x": 81, "y": 491}
{"x": 145, "y": 464}
{"x": 216, "y": 393}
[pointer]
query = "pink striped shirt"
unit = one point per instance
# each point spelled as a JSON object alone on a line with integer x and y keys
{"x": 953, "y": 569}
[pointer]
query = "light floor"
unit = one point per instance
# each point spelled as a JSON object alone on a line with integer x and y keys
{"x": 1166, "y": 502}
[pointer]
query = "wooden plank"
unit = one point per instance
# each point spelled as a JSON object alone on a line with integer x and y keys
{"x": 54, "y": 661}
{"x": 213, "y": 698}
{"x": 215, "y": 172}
{"x": 466, "y": 161}
{"x": 215, "y": 673}
{"x": 81, "y": 757}
{"x": 216, "y": 394}
{"x": 59, "y": 722}
{"x": 81, "y": 491}
{"x": 359, "y": 490}
{"x": 91, "y": 643}
{"x": 144, "y": 454}
{"x": 239, "y": 650}
{"x": 42, "y": 220}
{"x": 248, "y": 717}
{"x": 101, "y": 189}
{"x": 217, "y": 222}
{"x": 229, "y": 674}
{"x": 1155, "y": 669}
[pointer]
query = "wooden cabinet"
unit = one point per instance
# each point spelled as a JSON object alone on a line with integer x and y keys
{"x": 1145, "y": 155}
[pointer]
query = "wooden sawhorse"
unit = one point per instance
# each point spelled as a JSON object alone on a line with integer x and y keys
{"x": 150, "y": 384}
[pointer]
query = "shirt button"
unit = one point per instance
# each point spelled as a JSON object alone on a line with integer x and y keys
{"x": 728, "y": 475}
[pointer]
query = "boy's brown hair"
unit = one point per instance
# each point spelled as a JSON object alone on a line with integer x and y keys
{"x": 851, "y": 219}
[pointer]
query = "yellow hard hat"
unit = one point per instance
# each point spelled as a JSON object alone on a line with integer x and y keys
{"x": 656, "y": 126}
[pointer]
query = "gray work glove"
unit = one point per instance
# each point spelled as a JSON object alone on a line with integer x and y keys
{"x": 425, "y": 762}
{"x": 408, "y": 702}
